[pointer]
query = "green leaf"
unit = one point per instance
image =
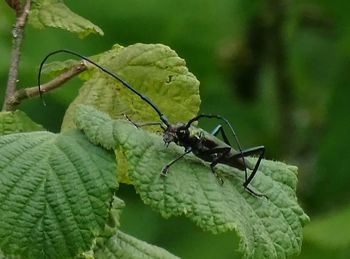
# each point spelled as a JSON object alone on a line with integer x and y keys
{"x": 111, "y": 227}
{"x": 55, "y": 193}
{"x": 153, "y": 69}
{"x": 122, "y": 245}
{"x": 113, "y": 221}
{"x": 116, "y": 209}
{"x": 2, "y": 256}
{"x": 17, "y": 121}
{"x": 330, "y": 231}
{"x": 115, "y": 244}
{"x": 54, "y": 13}
{"x": 268, "y": 228}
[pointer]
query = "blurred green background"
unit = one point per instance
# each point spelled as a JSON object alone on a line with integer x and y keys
{"x": 278, "y": 70}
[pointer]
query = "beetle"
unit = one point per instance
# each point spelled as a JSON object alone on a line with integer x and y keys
{"x": 206, "y": 146}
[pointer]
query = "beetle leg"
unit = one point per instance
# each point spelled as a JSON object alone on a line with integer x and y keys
{"x": 166, "y": 167}
{"x": 221, "y": 153}
{"x": 260, "y": 150}
{"x": 139, "y": 125}
{"x": 219, "y": 129}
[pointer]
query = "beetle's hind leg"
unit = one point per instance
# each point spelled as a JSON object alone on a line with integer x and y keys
{"x": 260, "y": 150}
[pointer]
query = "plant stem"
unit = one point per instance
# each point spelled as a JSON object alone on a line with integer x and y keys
{"x": 17, "y": 34}
{"x": 14, "y": 4}
{"x": 30, "y": 92}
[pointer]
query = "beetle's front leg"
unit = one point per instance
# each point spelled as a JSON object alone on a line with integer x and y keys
{"x": 167, "y": 166}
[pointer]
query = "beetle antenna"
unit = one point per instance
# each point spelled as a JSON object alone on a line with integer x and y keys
{"x": 145, "y": 98}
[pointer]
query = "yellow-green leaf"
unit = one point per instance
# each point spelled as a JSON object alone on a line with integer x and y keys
{"x": 54, "y": 13}
{"x": 154, "y": 70}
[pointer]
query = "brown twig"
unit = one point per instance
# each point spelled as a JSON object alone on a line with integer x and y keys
{"x": 30, "y": 92}
{"x": 15, "y": 5}
{"x": 17, "y": 34}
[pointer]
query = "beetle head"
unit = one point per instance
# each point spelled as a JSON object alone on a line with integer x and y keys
{"x": 175, "y": 133}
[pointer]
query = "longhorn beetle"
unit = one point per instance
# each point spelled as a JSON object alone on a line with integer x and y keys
{"x": 201, "y": 143}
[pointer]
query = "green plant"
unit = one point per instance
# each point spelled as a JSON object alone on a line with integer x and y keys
{"x": 58, "y": 192}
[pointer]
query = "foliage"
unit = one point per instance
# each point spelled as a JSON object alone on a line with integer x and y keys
{"x": 171, "y": 81}
{"x": 54, "y": 13}
{"x": 58, "y": 190}
{"x": 191, "y": 189}
{"x": 17, "y": 121}
{"x": 122, "y": 245}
